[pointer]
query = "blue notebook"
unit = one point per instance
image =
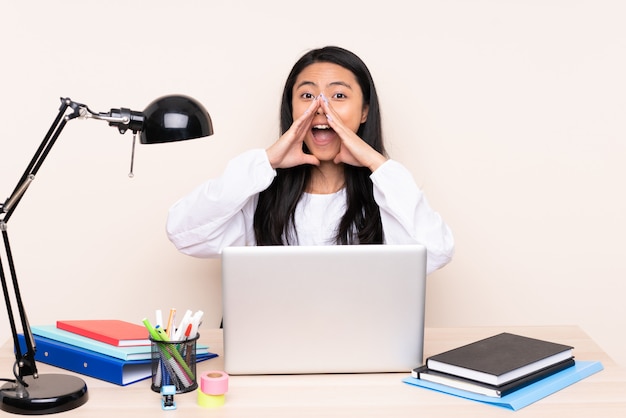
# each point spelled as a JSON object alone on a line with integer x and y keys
{"x": 525, "y": 396}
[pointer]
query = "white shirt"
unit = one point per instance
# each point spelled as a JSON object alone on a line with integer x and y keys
{"x": 317, "y": 216}
{"x": 219, "y": 213}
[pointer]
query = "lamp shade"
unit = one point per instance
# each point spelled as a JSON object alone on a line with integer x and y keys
{"x": 175, "y": 118}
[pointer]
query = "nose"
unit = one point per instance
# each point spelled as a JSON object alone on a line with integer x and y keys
{"x": 319, "y": 109}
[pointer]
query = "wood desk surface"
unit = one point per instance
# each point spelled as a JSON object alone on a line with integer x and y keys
{"x": 359, "y": 395}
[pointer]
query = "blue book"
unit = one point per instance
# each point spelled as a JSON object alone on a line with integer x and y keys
{"x": 139, "y": 352}
{"x": 93, "y": 364}
{"x": 525, "y": 396}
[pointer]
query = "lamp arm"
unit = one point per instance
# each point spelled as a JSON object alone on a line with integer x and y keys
{"x": 35, "y": 163}
{"x": 123, "y": 119}
{"x": 25, "y": 361}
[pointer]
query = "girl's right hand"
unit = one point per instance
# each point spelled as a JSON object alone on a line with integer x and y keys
{"x": 287, "y": 151}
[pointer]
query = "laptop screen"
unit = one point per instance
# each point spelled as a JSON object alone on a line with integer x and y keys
{"x": 323, "y": 309}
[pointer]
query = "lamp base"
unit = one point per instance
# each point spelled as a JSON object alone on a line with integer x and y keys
{"x": 48, "y": 394}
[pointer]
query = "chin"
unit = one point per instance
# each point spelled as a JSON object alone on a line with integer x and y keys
{"x": 325, "y": 157}
{"x": 324, "y": 153}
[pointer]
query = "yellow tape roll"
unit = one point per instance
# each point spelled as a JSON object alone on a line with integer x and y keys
{"x": 210, "y": 401}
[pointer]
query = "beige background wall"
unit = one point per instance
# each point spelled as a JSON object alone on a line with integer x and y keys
{"x": 510, "y": 114}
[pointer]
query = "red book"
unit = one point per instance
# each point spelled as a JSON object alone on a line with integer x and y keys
{"x": 110, "y": 331}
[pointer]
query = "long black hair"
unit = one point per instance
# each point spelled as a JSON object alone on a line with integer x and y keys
{"x": 361, "y": 224}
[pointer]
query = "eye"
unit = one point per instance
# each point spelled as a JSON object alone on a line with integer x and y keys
{"x": 307, "y": 96}
{"x": 339, "y": 96}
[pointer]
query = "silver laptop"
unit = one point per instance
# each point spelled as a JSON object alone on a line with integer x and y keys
{"x": 323, "y": 309}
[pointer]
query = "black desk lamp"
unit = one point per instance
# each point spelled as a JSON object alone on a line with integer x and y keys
{"x": 167, "y": 119}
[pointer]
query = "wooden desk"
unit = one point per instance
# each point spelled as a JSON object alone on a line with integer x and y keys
{"x": 359, "y": 395}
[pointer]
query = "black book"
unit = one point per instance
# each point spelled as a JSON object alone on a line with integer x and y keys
{"x": 485, "y": 389}
{"x": 499, "y": 359}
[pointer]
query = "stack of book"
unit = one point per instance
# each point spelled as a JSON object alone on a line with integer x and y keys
{"x": 115, "y": 351}
{"x": 505, "y": 369}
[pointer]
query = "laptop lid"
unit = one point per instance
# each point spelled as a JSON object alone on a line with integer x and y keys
{"x": 323, "y": 309}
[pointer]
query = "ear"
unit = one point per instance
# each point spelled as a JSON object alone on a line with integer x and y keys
{"x": 364, "y": 113}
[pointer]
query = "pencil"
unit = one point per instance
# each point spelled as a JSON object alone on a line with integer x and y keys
{"x": 170, "y": 323}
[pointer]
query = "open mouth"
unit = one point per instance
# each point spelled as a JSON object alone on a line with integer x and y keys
{"x": 323, "y": 133}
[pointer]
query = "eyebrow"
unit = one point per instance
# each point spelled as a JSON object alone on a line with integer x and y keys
{"x": 334, "y": 83}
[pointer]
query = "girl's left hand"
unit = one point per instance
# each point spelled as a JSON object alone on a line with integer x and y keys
{"x": 354, "y": 151}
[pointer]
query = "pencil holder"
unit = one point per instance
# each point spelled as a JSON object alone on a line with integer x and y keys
{"x": 174, "y": 363}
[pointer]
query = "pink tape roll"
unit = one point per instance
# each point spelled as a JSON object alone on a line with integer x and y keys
{"x": 214, "y": 383}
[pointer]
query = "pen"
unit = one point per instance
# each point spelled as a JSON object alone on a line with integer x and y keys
{"x": 189, "y": 351}
{"x": 195, "y": 323}
{"x": 158, "y": 318}
{"x": 178, "y": 335}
